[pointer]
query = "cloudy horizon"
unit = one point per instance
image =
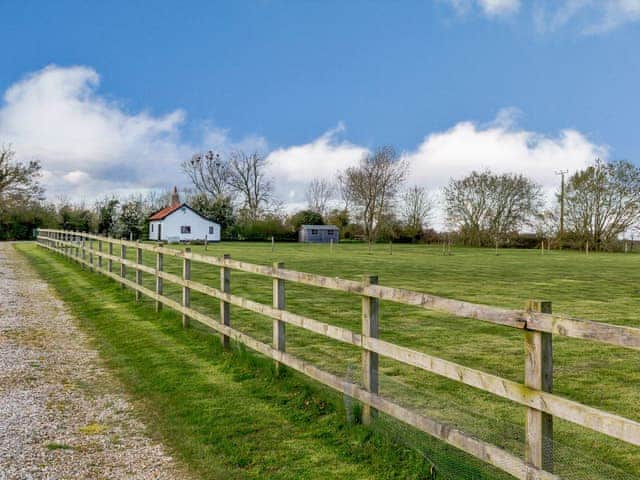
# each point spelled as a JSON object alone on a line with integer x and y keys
{"x": 90, "y": 145}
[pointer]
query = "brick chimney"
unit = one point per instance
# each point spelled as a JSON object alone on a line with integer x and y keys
{"x": 175, "y": 198}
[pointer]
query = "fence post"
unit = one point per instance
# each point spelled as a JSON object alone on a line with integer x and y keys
{"x": 91, "y": 254}
{"x": 159, "y": 285}
{"x": 186, "y": 292}
{"x": 539, "y": 376}
{"x": 110, "y": 261}
{"x": 225, "y": 286}
{"x": 123, "y": 267}
{"x": 83, "y": 244}
{"x": 138, "y": 271}
{"x": 100, "y": 256}
{"x": 370, "y": 308}
{"x": 76, "y": 241}
{"x": 279, "y": 303}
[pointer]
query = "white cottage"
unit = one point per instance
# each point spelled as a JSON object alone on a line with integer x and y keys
{"x": 179, "y": 222}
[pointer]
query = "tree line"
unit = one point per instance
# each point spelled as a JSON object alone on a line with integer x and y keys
{"x": 371, "y": 201}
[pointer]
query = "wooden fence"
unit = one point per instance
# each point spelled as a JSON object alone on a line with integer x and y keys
{"x": 536, "y": 321}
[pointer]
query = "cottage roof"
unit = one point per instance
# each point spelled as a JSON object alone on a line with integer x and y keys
{"x": 320, "y": 227}
{"x": 165, "y": 212}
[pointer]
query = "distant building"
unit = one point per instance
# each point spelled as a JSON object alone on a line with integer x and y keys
{"x": 319, "y": 233}
{"x": 179, "y": 223}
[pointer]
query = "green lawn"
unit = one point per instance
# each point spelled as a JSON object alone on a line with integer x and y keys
{"x": 601, "y": 287}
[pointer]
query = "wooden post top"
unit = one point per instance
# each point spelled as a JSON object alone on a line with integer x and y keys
{"x": 540, "y": 306}
{"x": 370, "y": 279}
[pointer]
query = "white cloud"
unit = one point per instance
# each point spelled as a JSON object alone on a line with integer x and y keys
{"x": 294, "y": 167}
{"x": 614, "y": 14}
{"x": 502, "y": 148}
{"x": 589, "y": 16}
{"x": 499, "y": 7}
{"x": 76, "y": 177}
{"x": 89, "y": 145}
{"x": 491, "y": 8}
{"x": 55, "y": 115}
{"x": 499, "y": 145}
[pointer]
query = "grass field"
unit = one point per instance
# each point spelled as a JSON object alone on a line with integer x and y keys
{"x": 603, "y": 287}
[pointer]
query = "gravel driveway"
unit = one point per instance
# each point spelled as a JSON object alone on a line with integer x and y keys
{"x": 62, "y": 415}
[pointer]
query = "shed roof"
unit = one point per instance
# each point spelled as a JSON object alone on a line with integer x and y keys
{"x": 320, "y": 227}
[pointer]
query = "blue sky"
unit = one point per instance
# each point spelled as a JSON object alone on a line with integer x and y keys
{"x": 312, "y": 80}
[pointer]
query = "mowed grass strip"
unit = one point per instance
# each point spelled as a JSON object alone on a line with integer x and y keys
{"x": 602, "y": 287}
{"x": 227, "y": 414}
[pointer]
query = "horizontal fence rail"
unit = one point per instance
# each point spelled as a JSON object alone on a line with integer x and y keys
{"x": 537, "y": 322}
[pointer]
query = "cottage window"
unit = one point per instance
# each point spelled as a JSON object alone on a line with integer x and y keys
{"x": 210, "y": 230}
{"x": 330, "y": 232}
{"x": 185, "y": 229}
{"x": 152, "y": 227}
{"x": 314, "y": 232}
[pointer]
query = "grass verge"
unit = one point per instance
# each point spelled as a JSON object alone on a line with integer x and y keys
{"x": 228, "y": 414}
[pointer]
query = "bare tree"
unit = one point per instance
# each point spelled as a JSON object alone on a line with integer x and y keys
{"x": 154, "y": 200}
{"x": 416, "y": 208}
{"x": 372, "y": 187}
{"x": 547, "y": 224}
{"x": 210, "y": 174}
{"x": 486, "y": 207}
{"x": 344, "y": 195}
{"x": 18, "y": 180}
{"x": 319, "y": 194}
{"x": 248, "y": 179}
{"x": 603, "y": 201}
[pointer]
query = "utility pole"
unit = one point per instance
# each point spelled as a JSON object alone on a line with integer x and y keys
{"x": 562, "y": 174}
